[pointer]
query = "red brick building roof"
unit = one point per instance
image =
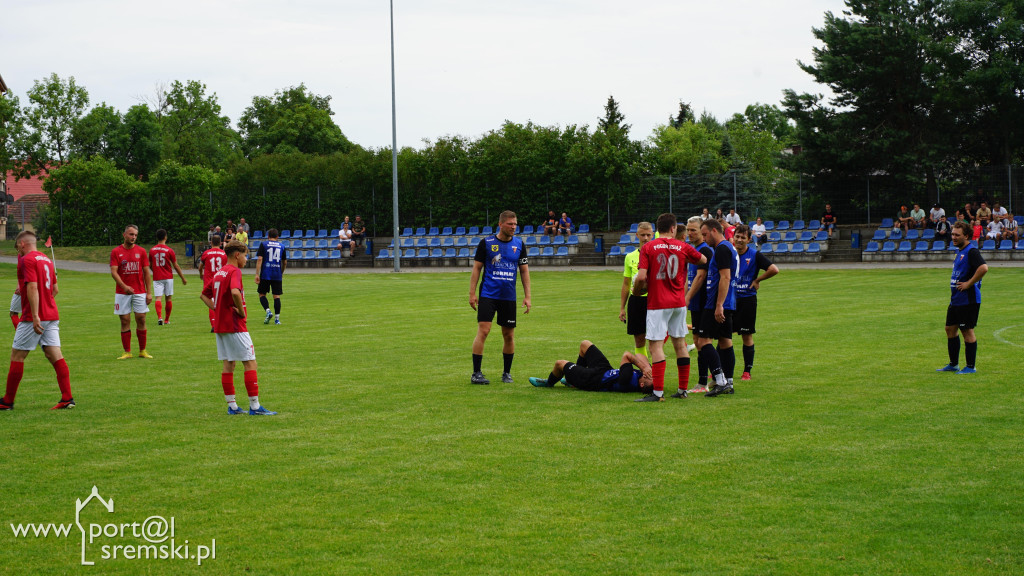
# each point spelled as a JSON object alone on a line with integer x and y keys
{"x": 33, "y": 185}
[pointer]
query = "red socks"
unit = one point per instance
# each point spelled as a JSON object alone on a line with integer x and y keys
{"x": 159, "y": 309}
{"x": 126, "y": 341}
{"x": 167, "y": 318}
{"x": 142, "y": 338}
{"x": 251, "y": 387}
{"x": 658, "y": 368}
{"x": 227, "y": 381}
{"x": 683, "y": 365}
{"x": 63, "y": 379}
{"x": 13, "y": 379}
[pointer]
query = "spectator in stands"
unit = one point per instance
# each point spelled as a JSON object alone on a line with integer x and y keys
{"x": 934, "y": 214}
{"x": 217, "y": 232}
{"x": 231, "y": 224}
{"x": 969, "y": 213}
{"x": 917, "y": 217}
{"x": 760, "y": 231}
{"x": 209, "y": 235}
{"x": 828, "y": 220}
{"x": 565, "y": 224}
{"x": 998, "y": 212}
{"x": 345, "y": 240}
{"x": 960, "y": 217}
{"x": 550, "y": 224}
{"x": 994, "y": 230}
{"x": 242, "y": 226}
{"x": 719, "y": 215}
{"x": 705, "y": 215}
{"x": 732, "y": 218}
{"x": 242, "y": 236}
{"x": 903, "y": 220}
{"x": 984, "y": 214}
{"x": 358, "y": 231}
{"x": 346, "y": 221}
{"x": 1010, "y": 228}
{"x": 943, "y": 229}
{"x": 229, "y": 235}
{"x": 976, "y": 229}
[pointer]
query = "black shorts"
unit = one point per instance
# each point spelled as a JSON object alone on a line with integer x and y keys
{"x": 269, "y": 286}
{"x": 506, "y": 310}
{"x": 710, "y": 328}
{"x": 587, "y": 375}
{"x": 964, "y": 317}
{"x": 636, "y": 315}
{"x": 696, "y": 312}
{"x": 746, "y": 315}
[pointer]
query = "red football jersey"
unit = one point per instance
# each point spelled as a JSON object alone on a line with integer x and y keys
{"x": 129, "y": 265}
{"x": 212, "y": 260}
{"x": 665, "y": 260}
{"x": 36, "y": 267}
{"x": 225, "y": 320}
{"x": 162, "y": 257}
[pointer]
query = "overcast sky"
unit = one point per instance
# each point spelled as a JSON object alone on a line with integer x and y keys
{"x": 463, "y": 67}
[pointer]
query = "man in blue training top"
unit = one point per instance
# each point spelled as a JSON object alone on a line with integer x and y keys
{"x": 500, "y": 258}
{"x": 271, "y": 260}
{"x": 965, "y": 300}
{"x": 719, "y": 308}
{"x": 592, "y": 372}
{"x": 747, "y": 283}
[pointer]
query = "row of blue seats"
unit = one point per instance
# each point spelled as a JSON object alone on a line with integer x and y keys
{"x": 938, "y": 246}
{"x": 533, "y": 252}
{"x": 314, "y": 254}
{"x": 472, "y": 241}
{"x": 784, "y": 248}
{"x": 475, "y": 231}
{"x": 311, "y": 244}
{"x": 888, "y": 223}
{"x": 882, "y": 235}
{"x": 803, "y": 236}
{"x": 783, "y": 225}
{"x": 261, "y": 235}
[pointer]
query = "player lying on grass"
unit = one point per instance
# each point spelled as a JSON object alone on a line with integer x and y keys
{"x": 592, "y": 372}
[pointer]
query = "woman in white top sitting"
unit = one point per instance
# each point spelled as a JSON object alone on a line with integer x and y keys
{"x": 759, "y": 230}
{"x": 705, "y": 215}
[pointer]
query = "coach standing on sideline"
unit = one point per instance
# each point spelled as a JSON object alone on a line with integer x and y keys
{"x": 499, "y": 257}
{"x": 965, "y": 302}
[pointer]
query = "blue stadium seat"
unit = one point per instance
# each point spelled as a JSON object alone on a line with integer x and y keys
{"x": 625, "y": 239}
{"x": 782, "y": 225}
{"x": 463, "y": 253}
{"x": 1020, "y": 244}
{"x": 904, "y": 246}
{"x": 988, "y": 245}
{"x": 321, "y": 255}
{"x": 294, "y": 255}
{"x": 446, "y": 231}
{"x": 433, "y": 231}
{"x": 528, "y": 229}
{"x": 1006, "y": 245}
{"x": 473, "y": 231}
{"x": 530, "y": 241}
{"x": 544, "y": 240}
{"x": 423, "y": 253}
{"x": 558, "y": 240}
{"x": 284, "y": 234}
{"x": 407, "y": 232}
{"x": 420, "y": 232}
{"x": 766, "y": 248}
{"x": 872, "y": 247}
{"x": 799, "y": 225}
{"x": 322, "y": 233}
{"x": 258, "y": 235}
{"x": 952, "y": 247}
{"x": 384, "y": 253}
{"x": 615, "y": 251}
{"x": 334, "y": 233}
{"x": 297, "y": 234}
{"x": 436, "y": 253}
{"x": 321, "y": 244}
{"x": 422, "y": 242}
{"x": 562, "y": 251}
{"x": 255, "y": 244}
{"x": 449, "y": 252}
{"x": 310, "y": 255}
{"x": 461, "y": 241}
{"x": 797, "y": 248}
{"x": 573, "y": 240}
{"x": 789, "y": 236}
{"x": 629, "y": 249}
{"x": 585, "y": 228}
{"x": 486, "y": 231}
{"x": 896, "y": 235}
{"x": 547, "y": 251}
{"x": 1019, "y": 219}
{"x": 880, "y": 235}
{"x": 408, "y": 243}
{"x": 310, "y": 233}
{"x": 460, "y": 231}
{"x": 821, "y": 236}
{"x": 814, "y": 225}
{"x": 928, "y": 234}
{"x": 334, "y": 255}
{"x": 886, "y": 223}
{"x": 533, "y": 251}
{"x": 632, "y": 227}
{"x": 921, "y": 246}
{"x": 309, "y": 244}
{"x": 410, "y": 253}
{"x": 912, "y": 235}
{"x": 782, "y": 248}
{"x": 447, "y": 241}
{"x": 889, "y": 246}
{"x": 807, "y": 236}
{"x": 939, "y": 246}
{"x": 774, "y": 236}
{"x": 813, "y": 248}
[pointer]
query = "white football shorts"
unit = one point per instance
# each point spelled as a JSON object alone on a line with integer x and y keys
{"x": 235, "y": 347}
{"x": 128, "y": 303}
{"x": 25, "y": 337}
{"x": 16, "y": 303}
{"x": 163, "y": 287}
{"x": 666, "y": 322}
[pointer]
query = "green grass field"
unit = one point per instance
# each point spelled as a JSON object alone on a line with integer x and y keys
{"x": 847, "y": 453}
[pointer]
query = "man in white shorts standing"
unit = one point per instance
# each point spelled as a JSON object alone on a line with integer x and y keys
{"x": 165, "y": 263}
{"x": 133, "y": 279}
{"x": 223, "y": 294}
{"x": 662, "y": 273}
{"x": 40, "y": 323}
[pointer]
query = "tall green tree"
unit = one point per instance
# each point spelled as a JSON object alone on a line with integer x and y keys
{"x": 292, "y": 120}
{"x": 195, "y": 133}
{"x": 47, "y": 123}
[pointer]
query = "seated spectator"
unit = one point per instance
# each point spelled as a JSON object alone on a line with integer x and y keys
{"x": 828, "y": 220}
{"x": 903, "y": 220}
{"x": 209, "y": 235}
{"x": 231, "y": 224}
{"x": 759, "y": 231}
{"x": 943, "y": 229}
{"x": 705, "y": 215}
{"x": 344, "y": 222}
{"x": 1010, "y": 228}
{"x": 719, "y": 215}
{"x": 976, "y": 230}
{"x": 229, "y": 235}
{"x": 984, "y": 214}
{"x": 969, "y": 213}
{"x": 242, "y": 236}
{"x": 358, "y": 231}
{"x": 995, "y": 230}
{"x": 960, "y": 217}
{"x": 565, "y": 224}
{"x": 733, "y": 218}
{"x": 345, "y": 240}
{"x": 550, "y": 224}
{"x": 242, "y": 226}
{"x": 934, "y": 214}
{"x": 998, "y": 212}
{"x": 917, "y": 217}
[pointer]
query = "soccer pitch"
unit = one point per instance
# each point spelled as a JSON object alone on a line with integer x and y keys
{"x": 846, "y": 454}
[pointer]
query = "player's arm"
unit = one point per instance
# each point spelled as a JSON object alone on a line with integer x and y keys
{"x": 524, "y": 273}
{"x": 147, "y": 273}
{"x": 638, "y": 360}
{"x": 724, "y": 280}
{"x": 120, "y": 283}
{"x": 698, "y": 282}
{"x": 32, "y": 293}
{"x": 979, "y": 273}
{"x": 623, "y": 297}
{"x": 181, "y": 273}
{"x": 207, "y": 300}
{"x": 236, "y": 299}
{"x": 770, "y": 269}
{"x": 259, "y": 266}
{"x": 474, "y": 277}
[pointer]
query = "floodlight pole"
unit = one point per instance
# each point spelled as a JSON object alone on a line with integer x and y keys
{"x": 394, "y": 146}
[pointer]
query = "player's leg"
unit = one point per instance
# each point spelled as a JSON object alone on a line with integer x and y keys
{"x": 277, "y": 308}
{"x": 263, "y": 290}
{"x": 970, "y": 350}
{"x": 728, "y": 356}
{"x": 140, "y": 333}
{"x": 168, "y": 303}
{"x": 14, "y": 375}
{"x": 708, "y": 326}
{"x": 553, "y": 377}
{"x": 952, "y": 341}
{"x": 508, "y": 352}
{"x": 126, "y": 334}
{"x": 60, "y": 366}
{"x": 748, "y": 355}
{"x": 227, "y": 381}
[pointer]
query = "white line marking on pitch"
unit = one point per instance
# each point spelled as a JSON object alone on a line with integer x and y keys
{"x": 999, "y": 337}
